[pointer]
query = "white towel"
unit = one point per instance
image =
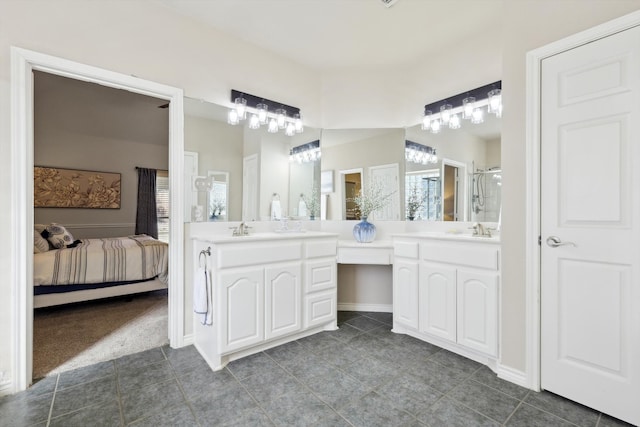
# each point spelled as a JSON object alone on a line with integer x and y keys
{"x": 302, "y": 207}
{"x": 276, "y": 209}
{"x": 324, "y": 199}
{"x": 202, "y": 303}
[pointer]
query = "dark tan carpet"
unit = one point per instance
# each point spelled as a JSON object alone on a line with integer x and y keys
{"x": 76, "y": 335}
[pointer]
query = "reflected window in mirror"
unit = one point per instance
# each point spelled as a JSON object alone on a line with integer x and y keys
{"x": 218, "y": 195}
{"x": 423, "y": 195}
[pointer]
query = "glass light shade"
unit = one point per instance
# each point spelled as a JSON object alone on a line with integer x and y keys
{"x": 445, "y": 113}
{"x": 263, "y": 109}
{"x": 477, "y": 116}
{"x": 232, "y": 117}
{"x": 254, "y": 122}
{"x": 273, "y": 126}
{"x": 240, "y": 105}
{"x": 454, "y": 122}
{"x": 467, "y": 107}
{"x": 426, "y": 120}
{"x": 495, "y": 101}
{"x": 298, "y": 123}
{"x": 290, "y": 129}
{"x": 281, "y": 115}
{"x": 436, "y": 126}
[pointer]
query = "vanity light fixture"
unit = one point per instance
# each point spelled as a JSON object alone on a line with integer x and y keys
{"x": 418, "y": 153}
{"x": 264, "y": 112}
{"x": 305, "y": 153}
{"x": 469, "y": 105}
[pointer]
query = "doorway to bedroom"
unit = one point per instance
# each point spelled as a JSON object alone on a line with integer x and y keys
{"x": 90, "y": 142}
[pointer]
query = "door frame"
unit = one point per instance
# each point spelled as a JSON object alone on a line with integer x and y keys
{"x": 461, "y": 189}
{"x": 533, "y": 171}
{"x": 23, "y": 63}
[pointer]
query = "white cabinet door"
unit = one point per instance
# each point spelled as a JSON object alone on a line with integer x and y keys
{"x": 241, "y": 301}
{"x": 478, "y": 310}
{"x": 283, "y": 300}
{"x": 320, "y": 308}
{"x": 438, "y": 300}
{"x": 405, "y": 293}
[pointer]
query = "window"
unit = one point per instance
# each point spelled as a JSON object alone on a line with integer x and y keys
{"x": 162, "y": 204}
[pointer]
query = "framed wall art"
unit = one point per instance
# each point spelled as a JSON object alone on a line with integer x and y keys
{"x": 75, "y": 188}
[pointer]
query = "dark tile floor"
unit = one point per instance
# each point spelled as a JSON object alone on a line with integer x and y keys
{"x": 360, "y": 375}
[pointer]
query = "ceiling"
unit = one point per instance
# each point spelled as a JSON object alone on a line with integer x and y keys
{"x": 90, "y": 109}
{"x": 337, "y": 34}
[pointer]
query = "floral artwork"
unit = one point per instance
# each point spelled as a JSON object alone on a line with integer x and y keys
{"x": 70, "y": 188}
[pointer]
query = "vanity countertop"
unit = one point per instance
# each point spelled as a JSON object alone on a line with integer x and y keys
{"x": 449, "y": 235}
{"x": 261, "y": 236}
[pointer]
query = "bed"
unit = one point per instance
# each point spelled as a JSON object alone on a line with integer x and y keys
{"x": 99, "y": 268}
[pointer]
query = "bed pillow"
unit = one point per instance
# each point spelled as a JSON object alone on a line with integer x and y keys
{"x": 40, "y": 244}
{"x": 58, "y": 236}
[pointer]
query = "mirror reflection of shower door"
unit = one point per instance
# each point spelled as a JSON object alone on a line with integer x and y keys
{"x": 450, "y": 193}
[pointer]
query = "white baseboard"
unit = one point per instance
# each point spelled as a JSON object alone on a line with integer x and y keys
{"x": 513, "y": 376}
{"x": 384, "y": 308}
{"x": 6, "y": 387}
{"x": 188, "y": 340}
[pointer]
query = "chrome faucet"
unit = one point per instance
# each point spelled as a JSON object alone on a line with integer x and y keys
{"x": 481, "y": 230}
{"x": 241, "y": 230}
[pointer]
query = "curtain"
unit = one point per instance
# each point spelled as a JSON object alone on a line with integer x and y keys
{"x": 146, "y": 213}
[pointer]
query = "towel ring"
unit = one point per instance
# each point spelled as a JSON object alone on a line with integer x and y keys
{"x": 204, "y": 252}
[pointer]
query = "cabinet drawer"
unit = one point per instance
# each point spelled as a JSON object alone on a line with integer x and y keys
{"x": 320, "y": 308}
{"x": 320, "y": 275}
{"x": 471, "y": 255}
{"x": 377, "y": 256}
{"x": 233, "y": 255}
{"x": 321, "y": 248}
{"x": 405, "y": 249}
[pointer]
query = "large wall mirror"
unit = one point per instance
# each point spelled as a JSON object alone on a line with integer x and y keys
{"x": 356, "y": 158}
{"x": 464, "y": 182}
{"x": 239, "y": 173}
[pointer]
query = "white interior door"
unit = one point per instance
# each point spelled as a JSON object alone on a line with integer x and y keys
{"x": 590, "y": 222}
{"x": 386, "y": 176}
{"x": 250, "y": 188}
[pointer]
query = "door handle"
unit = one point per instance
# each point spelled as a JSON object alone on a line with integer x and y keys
{"x": 554, "y": 242}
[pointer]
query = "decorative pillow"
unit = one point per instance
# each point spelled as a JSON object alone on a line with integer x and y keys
{"x": 58, "y": 236}
{"x": 40, "y": 244}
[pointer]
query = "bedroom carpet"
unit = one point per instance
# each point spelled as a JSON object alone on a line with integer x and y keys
{"x": 77, "y": 335}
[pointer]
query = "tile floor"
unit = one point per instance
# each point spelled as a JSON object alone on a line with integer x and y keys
{"x": 360, "y": 375}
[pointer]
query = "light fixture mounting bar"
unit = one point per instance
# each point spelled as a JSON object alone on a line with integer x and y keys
{"x": 479, "y": 93}
{"x": 253, "y": 101}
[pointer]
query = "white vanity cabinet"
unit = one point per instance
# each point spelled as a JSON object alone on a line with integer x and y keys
{"x": 267, "y": 290}
{"x": 446, "y": 291}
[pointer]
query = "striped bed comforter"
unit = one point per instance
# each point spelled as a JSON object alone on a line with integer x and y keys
{"x": 118, "y": 259}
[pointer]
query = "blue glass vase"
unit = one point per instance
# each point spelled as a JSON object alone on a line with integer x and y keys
{"x": 364, "y": 231}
